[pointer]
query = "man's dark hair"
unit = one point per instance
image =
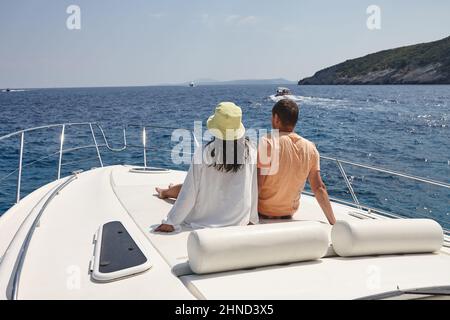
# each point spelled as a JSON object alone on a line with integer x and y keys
{"x": 287, "y": 111}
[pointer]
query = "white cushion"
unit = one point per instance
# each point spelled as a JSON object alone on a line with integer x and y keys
{"x": 232, "y": 248}
{"x": 390, "y": 236}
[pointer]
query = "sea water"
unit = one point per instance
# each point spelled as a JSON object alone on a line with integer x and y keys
{"x": 401, "y": 128}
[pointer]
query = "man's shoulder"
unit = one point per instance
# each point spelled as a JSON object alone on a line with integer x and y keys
{"x": 307, "y": 144}
{"x": 292, "y": 137}
{"x": 305, "y": 141}
{"x": 298, "y": 139}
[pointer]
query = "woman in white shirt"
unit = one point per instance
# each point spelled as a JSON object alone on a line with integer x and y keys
{"x": 221, "y": 186}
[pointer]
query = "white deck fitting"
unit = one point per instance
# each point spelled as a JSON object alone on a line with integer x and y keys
{"x": 61, "y": 249}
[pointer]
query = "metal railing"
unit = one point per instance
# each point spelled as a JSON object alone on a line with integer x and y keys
{"x": 92, "y": 126}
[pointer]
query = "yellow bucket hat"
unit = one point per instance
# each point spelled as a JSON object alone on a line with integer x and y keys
{"x": 226, "y": 123}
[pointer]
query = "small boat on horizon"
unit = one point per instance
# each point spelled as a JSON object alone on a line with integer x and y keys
{"x": 12, "y": 90}
{"x": 283, "y": 93}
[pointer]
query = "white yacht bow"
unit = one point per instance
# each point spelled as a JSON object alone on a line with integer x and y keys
{"x": 49, "y": 242}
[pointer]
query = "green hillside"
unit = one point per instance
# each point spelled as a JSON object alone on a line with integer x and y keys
{"x": 425, "y": 63}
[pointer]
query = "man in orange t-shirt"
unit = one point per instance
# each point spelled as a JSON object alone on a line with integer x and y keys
{"x": 285, "y": 162}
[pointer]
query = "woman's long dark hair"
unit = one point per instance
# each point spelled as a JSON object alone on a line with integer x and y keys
{"x": 237, "y": 163}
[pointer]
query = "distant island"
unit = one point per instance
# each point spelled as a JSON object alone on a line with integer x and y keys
{"x": 425, "y": 63}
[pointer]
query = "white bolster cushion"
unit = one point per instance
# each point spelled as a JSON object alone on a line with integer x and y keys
{"x": 390, "y": 236}
{"x": 240, "y": 247}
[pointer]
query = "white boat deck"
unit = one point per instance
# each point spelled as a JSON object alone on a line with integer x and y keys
{"x": 56, "y": 265}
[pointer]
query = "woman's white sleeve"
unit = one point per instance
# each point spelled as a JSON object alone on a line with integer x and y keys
{"x": 186, "y": 199}
{"x": 254, "y": 218}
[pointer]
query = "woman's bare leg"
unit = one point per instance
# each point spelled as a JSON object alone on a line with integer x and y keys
{"x": 171, "y": 192}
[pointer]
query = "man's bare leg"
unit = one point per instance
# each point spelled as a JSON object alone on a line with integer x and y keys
{"x": 171, "y": 192}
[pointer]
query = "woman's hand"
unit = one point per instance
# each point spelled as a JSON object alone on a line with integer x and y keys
{"x": 165, "y": 228}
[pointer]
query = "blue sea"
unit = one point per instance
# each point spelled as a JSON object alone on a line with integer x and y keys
{"x": 402, "y": 128}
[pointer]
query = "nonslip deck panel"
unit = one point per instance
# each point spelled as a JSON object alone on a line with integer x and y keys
{"x": 118, "y": 249}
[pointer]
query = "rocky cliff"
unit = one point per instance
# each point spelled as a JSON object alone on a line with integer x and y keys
{"x": 425, "y": 63}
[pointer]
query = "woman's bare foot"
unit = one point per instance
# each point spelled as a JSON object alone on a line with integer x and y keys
{"x": 162, "y": 193}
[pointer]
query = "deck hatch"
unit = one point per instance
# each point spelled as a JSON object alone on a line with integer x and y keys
{"x": 118, "y": 249}
{"x": 117, "y": 254}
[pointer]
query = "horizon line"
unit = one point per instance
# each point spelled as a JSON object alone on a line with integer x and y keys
{"x": 211, "y": 82}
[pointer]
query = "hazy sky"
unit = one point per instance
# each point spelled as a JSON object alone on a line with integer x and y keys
{"x": 144, "y": 42}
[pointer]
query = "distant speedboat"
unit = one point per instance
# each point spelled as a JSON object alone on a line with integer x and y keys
{"x": 283, "y": 93}
{"x": 12, "y": 90}
{"x": 192, "y": 84}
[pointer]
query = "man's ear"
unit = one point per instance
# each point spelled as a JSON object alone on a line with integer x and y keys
{"x": 276, "y": 120}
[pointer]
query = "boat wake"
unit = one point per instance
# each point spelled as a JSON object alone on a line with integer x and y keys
{"x": 275, "y": 98}
{"x": 306, "y": 99}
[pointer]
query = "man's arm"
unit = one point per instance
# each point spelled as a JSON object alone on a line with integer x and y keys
{"x": 254, "y": 218}
{"x": 261, "y": 178}
{"x": 263, "y": 162}
{"x": 320, "y": 191}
